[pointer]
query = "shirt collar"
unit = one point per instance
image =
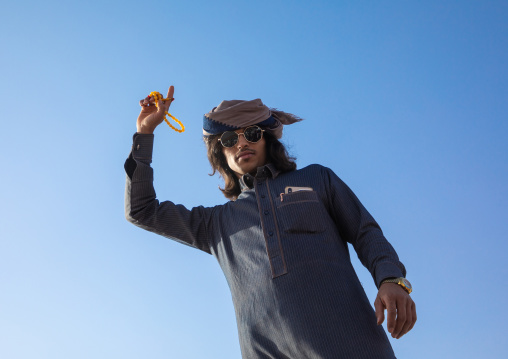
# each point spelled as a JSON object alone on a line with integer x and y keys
{"x": 267, "y": 171}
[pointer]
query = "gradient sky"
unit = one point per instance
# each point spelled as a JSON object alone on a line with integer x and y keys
{"x": 405, "y": 101}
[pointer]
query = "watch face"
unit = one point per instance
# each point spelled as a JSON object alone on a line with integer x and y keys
{"x": 406, "y": 283}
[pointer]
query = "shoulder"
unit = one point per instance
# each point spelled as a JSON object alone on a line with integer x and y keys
{"x": 315, "y": 169}
{"x": 312, "y": 168}
{"x": 314, "y": 175}
{"x": 321, "y": 174}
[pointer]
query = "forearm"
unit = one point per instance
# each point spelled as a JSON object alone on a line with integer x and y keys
{"x": 359, "y": 228}
{"x": 142, "y": 208}
{"x": 378, "y": 255}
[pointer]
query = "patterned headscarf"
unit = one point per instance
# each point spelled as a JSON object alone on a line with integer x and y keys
{"x": 235, "y": 114}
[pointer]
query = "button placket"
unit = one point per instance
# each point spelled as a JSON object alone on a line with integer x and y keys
{"x": 268, "y": 222}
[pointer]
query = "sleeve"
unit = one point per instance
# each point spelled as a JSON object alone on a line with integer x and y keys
{"x": 359, "y": 228}
{"x": 190, "y": 227}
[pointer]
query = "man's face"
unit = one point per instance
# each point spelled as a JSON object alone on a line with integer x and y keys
{"x": 245, "y": 157}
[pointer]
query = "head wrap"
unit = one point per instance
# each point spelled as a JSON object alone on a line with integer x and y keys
{"x": 234, "y": 114}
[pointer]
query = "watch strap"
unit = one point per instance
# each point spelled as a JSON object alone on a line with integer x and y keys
{"x": 399, "y": 281}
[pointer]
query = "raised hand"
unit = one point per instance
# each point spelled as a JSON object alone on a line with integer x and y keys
{"x": 151, "y": 115}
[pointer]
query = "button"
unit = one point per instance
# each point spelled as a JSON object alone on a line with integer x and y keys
{"x": 266, "y": 212}
{"x": 260, "y": 183}
{"x": 263, "y": 196}
{"x": 270, "y": 233}
{"x": 138, "y": 147}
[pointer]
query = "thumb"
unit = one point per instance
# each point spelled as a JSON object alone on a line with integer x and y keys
{"x": 380, "y": 311}
{"x": 160, "y": 107}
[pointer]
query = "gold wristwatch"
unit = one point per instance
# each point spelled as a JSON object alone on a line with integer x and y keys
{"x": 403, "y": 282}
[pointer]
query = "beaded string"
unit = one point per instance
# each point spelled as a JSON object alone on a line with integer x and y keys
{"x": 156, "y": 96}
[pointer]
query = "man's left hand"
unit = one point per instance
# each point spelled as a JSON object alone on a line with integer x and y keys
{"x": 400, "y": 308}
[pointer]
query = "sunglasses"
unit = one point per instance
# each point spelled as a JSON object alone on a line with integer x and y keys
{"x": 251, "y": 134}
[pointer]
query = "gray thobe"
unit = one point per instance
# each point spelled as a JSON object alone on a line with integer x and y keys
{"x": 285, "y": 257}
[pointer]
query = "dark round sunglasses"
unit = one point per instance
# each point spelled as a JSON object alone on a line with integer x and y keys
{"x": 251, "y": 134}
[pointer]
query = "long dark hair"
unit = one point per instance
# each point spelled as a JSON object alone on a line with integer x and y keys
{"x": 276, "y": 154}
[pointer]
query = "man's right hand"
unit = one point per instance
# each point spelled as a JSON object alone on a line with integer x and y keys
{"x": 150, "y": 116}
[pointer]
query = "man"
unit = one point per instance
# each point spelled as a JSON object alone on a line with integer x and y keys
{"x": 281, "y": 241}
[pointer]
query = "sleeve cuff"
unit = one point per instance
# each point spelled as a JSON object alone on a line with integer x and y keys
{"x": 142, "y": 147}
{"x": 388, "y": 270}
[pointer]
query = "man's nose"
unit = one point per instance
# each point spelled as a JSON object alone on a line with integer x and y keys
{"x": 242, "y": 142}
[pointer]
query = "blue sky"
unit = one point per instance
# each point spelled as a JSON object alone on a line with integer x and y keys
{"x": 405, "y": 101}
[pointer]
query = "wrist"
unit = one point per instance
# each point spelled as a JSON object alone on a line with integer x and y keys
{"x": 401, "y": 281}
{"x": 145, "y": 130}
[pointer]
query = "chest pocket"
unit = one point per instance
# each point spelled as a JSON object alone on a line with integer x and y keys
{"x": 300, "y": 212}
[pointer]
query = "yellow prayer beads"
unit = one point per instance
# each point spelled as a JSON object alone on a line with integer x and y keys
{"x": 156, "y": 96}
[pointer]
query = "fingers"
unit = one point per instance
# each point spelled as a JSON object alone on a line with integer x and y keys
{"x": 380, "y": 311}
{"x": 148, "y": 101}
{"x": 145, "y": 109}
{"x": 406, "y": 317}
{"x": 169, "y": 97}
{"x": 162, "y": 107}
{"x": 401, "y": 310}
{"x": 402, "y": 319}
{"x": 413, "y": 315}
{"x": 153, "y": 113}
{"x": 408, "y": 322}
{"x": 391, "y": 313}
{"x": 171, "y": 92}
{"x": 145, "y": 102}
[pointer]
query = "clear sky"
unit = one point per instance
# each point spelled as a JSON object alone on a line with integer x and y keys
{"x": 406, "y": 101}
